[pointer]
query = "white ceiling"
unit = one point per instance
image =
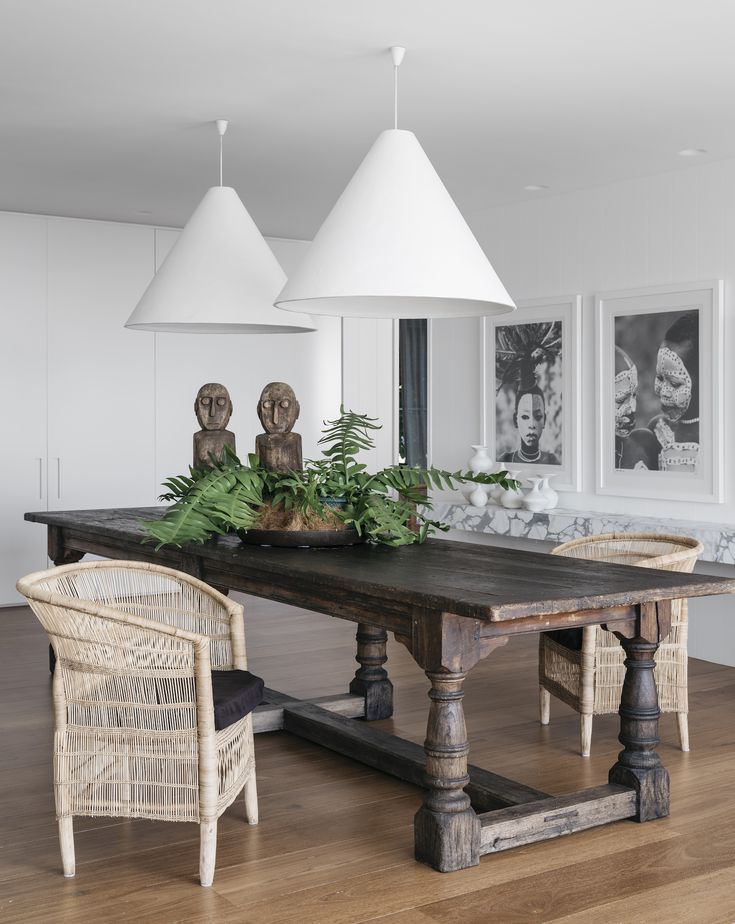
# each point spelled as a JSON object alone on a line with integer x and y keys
{"x": 106, "y": 105}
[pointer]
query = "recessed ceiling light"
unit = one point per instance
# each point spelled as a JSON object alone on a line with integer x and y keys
{"x": 143, "y": 212}
{"x": 535, "y": 187}
{"x": 692, "y": 152}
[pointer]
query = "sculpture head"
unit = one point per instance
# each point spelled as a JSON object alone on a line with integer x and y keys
{"x": 213, "y": 406}
{"x": 278, "y": 409}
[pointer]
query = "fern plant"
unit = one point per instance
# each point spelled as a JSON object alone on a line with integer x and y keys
{"x": 389, "y": 507}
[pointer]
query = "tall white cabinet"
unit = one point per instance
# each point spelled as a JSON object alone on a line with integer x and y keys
{"x": 79, "y": 387}
{"x": 101, "y": 410}
{"x": 23, "y": 455}
{"x": 97, "y": 415}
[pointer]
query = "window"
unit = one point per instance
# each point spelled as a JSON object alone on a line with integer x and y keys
{"x": 412, "y": 392}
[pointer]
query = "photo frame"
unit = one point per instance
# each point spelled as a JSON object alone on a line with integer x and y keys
{"x": 531, "y": 389}
{"x": 659, "y": 388}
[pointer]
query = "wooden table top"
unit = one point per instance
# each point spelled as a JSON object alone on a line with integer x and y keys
{"x": 481, "y": 582}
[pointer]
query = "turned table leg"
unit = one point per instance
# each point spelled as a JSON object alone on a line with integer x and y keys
{"x": 371, "y": 679}
{"x": 638, "y": 765}
{"x": 446, "y": 828}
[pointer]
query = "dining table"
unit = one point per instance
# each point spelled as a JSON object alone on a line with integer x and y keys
{"x": 451, "y": 604}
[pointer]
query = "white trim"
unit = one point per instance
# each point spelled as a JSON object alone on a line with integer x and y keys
{"x": 429, "y": 393}
{"x": 396, "y": 436}
{"x": 483, "y": 381}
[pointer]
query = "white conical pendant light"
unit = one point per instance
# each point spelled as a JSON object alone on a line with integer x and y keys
{"x": 220, "y": 276}
{"x": 395, "y": 245}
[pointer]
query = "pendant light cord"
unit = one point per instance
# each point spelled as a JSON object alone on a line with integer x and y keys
{"x": 221, "y": 129}
{"x": 397, "y": 53}
{"x": 395, "y": 96}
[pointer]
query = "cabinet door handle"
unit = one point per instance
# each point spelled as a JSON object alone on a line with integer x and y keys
{"x": 39, "y": 459}
{"x": 58, "y": 478}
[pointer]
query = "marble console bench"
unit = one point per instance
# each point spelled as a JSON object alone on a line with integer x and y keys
{"x": 560, "y": 525}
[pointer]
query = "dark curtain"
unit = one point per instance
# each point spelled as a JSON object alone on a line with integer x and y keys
{"x": 412, "y": 349}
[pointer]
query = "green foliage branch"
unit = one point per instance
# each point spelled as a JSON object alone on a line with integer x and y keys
{"x": 381, "y": 507}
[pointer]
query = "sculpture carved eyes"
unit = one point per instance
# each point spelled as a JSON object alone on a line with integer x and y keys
{"x": 284, "y": 403}
{"x": 207, "y": 401}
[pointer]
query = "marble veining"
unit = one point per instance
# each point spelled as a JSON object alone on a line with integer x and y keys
{"x": 560, "y": 525}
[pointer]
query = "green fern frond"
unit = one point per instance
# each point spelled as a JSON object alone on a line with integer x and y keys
{"x": 227, "y": 495}
{"x": 184, "y": 524}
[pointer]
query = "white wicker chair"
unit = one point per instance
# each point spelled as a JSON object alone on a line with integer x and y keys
{"x": 590, "y": 679}
{"x": 135, "y": 730}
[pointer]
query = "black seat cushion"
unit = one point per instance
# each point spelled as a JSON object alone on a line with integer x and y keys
{"x": 236, "y": 693}
{"x": 568, "y": 638}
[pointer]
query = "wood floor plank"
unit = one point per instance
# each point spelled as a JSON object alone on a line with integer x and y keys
{"x": 335, "y": 841}
{"x": 709, "y": 898}
{"x": 412, "y": 916}
{"x": 401, "y": 886}
{"x": 622, "y": 878}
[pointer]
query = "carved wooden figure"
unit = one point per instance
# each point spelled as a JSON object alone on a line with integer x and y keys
{"x": 213, "y": 408}
{"x": 278, "y": 410}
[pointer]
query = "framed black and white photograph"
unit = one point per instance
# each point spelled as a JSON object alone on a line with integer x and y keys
{"x": 659, "y": 387}
{"x": 531, "y": 389}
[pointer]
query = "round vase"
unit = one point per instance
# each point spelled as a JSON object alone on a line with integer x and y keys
{"x": 480, "y": 463}
{"x": 467, "y": 489}
{"x": 478, "y": 497}
{"x": 511, "y": 498}
{"x": 535, "y": 500}
{"x": 552, "y": 498}
{"x": 495, "y": 492}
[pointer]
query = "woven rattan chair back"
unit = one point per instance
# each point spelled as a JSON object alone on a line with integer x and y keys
{"x": 590, "y": 679}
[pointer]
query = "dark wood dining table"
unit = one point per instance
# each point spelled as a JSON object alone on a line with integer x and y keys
{"x": 451, "y": 604}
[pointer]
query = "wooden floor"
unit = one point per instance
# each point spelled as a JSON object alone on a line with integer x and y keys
{"x": 335, "y": 841}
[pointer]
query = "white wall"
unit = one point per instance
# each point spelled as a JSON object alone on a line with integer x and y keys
{"x": 370, "y": 382}
{"x": 676, "y": 227}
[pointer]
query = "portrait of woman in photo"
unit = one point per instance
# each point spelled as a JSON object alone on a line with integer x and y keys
{"x": 676, "y": 385}
{"x": 528, "y": 398}
{"x": 530, "y": 420}
{"x": 635, "y": 447}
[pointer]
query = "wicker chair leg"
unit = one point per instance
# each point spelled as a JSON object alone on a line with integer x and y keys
{"x": 207, "y": 851}
{"x": 544, "y": 705}
{"x": 66, "y": 841}
{"x": 682, "y": 719}
{"x": 251, "y": 800}
{"x": 585, "y": 727}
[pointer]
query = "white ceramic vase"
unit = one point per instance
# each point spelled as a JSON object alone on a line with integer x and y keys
{"x": 552, "y": 498}
{"x": 480, "y": 463}
{"x": 495, "y": 492}
{"x": 478, "y": 497}
{"x": 512, "y": 498}
{"x": 535, "y": 500}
